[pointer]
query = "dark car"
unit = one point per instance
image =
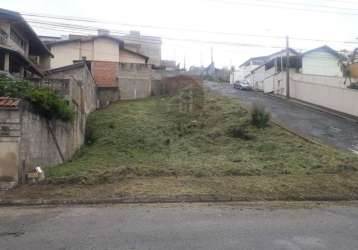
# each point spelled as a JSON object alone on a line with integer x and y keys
{"x": 243, "y": 85}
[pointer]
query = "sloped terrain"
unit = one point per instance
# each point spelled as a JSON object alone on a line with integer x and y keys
{"x": 193, "y": 133}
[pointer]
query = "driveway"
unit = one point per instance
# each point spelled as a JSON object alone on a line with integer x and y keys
{"x": 328, "y": 128}
{"x": 180, "y": 227}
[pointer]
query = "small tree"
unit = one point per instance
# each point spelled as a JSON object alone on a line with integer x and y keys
{"x": 259, "y": 116}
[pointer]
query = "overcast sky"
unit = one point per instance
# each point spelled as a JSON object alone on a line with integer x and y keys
{"x": 220, "y": 16}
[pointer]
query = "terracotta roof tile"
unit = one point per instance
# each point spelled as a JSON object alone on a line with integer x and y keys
{"x": 6, "y": 102}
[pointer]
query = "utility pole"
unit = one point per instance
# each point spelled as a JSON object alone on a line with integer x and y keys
{"x": 201, "y": 58}
{"x": 287, "y": 68}
{"x": 185, "y": 63}
{"x": 212, "y": 55}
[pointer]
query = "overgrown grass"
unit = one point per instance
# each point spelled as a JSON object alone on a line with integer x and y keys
{"x": 191, "y": 134}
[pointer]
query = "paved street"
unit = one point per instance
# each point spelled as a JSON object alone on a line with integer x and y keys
{"x": 180, "y": 226}
{"x": 326, "y": 127}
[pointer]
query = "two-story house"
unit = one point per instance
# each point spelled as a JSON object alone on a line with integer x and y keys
{"x": 103, "y": 51}
{"x": 22, "y": 53}
{"x": 244, "y": 70}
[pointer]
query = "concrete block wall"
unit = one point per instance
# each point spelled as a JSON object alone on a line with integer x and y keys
{"x": 107, "y": 96}
{"x": 134, "y": 81}
{"x": 29, "y": 140}
{"x": 10, "y": 133}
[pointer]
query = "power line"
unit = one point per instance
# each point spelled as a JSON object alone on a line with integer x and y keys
{"x": 281, "y": 7}
{"x": 196, "y": 40}
{"x": 341, "y": 1}
{"x": 316, "y": 6}
{"x": 182, "y": 29}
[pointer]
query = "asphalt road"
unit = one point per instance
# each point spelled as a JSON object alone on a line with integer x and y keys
{"x": 323, "y": 126}
{"x": 180, "y": 226}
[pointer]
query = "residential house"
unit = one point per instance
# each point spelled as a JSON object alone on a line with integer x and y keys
{"x": 321, "y": 82}
{"x": 244, "y": 70}
{"x": 275, "y": 70}
{"x": 22, "y": 53}
{"x": 107, "y": 56}
{"x": 323, "y": 61}
{"x": 257, "y": 78}
{"x": 28, "y": 139}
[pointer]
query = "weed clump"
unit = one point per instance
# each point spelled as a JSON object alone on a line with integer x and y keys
{"x": 260, "y": 118}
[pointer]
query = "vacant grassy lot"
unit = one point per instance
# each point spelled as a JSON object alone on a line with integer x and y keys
{"x": 191, "y": 134}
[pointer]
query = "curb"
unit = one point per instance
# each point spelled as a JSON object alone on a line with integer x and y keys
{"x": 323, "y": 110}
{"x": 314, "y": 107}
{"x": 165, "y": 200}
{"x": 304, "y": 137}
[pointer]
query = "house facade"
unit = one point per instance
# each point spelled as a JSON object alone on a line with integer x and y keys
{"x": 22, "y": 53}
{"x": 275, "y": 70}
{"x": 322, "y": 61}
{"x": 244, "y": 70}
{"x": 106, "y": 55}
{"x": 257, "y": 78}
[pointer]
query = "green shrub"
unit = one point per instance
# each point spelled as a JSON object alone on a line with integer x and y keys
{"x": 260, "y": 118}
{"x": 44, "y": 101}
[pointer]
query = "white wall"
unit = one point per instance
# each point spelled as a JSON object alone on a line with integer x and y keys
{"x": 258, "y": 78}
{"x": 321, "y": 63}
{"x": 336, "y": 98}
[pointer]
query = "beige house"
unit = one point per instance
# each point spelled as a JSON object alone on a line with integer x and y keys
{"x": 110, "y": 63}
{"x": 22, "y": 53}
{"x": 103, "y": 48}
{"x": 104, "y": 52}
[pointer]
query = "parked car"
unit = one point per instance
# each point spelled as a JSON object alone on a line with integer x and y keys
{"x": 243, "y": 85}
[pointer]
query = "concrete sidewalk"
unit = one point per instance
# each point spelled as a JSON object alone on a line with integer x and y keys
{"x": 326, "y": 127}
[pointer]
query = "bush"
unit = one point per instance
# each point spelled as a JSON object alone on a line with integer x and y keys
{"x": 259, "y": 116}
{"x": 44, "y": 101}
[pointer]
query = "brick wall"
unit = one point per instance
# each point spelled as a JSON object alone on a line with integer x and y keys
{"x": 105, "y": 73}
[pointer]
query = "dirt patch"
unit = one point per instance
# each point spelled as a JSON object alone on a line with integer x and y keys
{"x": 249, "y": 188}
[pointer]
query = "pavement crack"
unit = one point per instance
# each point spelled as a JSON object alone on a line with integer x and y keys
{"x": 14, "y": 234}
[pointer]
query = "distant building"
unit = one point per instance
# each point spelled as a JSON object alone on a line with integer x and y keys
{"x": 150, "y": 46}
{"x": 22, "y": 53}
{"x": 169, "y": 65}
{"x": 244, "y": 70}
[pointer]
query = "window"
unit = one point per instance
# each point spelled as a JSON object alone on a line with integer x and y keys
{"x": 3, "y": 37}
{"x": 2, "y": 60}
{"x": 17, "y": 39}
